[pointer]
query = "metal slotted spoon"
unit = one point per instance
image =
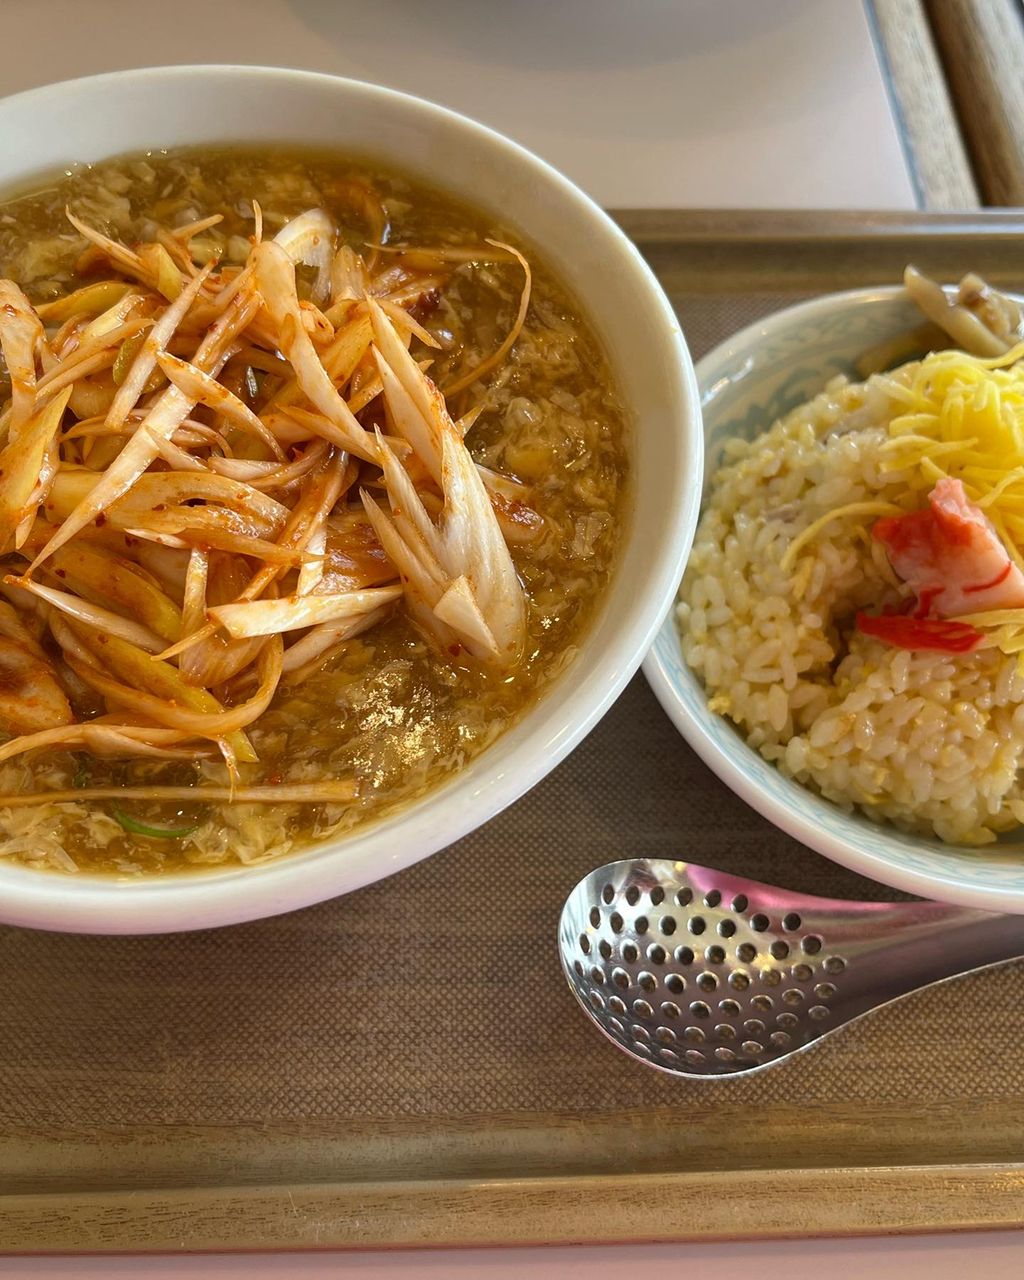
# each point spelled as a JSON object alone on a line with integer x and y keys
{"x": 699, "y": 973}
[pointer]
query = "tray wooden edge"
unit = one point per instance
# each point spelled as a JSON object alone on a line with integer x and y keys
{"x": 807, "y": 226}
{"x": 735, "y": 251}
{"x": 598, "y": 1209}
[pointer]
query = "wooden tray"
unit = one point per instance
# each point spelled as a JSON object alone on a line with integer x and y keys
{"x": 405, "y": 1066}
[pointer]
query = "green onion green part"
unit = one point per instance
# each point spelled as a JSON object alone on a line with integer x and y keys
{"x": 154, "y": 833}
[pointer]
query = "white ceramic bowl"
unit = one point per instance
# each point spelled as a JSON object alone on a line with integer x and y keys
{"x": 746, "y": 384}
{"x": 103, "y": 116}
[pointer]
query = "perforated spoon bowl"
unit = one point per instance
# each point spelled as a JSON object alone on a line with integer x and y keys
{"x": 699, "y": 973}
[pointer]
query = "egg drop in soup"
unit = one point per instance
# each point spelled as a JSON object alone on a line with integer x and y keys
{"x": 311, "y": 481}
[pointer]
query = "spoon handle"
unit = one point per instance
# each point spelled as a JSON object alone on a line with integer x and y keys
{"x": 961, "y": 939}
{"x": 912, "y": 945}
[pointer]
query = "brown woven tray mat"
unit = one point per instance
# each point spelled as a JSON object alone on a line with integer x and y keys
{"x": 436, "y": 995}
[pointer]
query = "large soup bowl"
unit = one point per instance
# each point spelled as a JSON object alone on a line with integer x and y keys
{"x": 746, "y": 384}
{"x": 104, "y": 116}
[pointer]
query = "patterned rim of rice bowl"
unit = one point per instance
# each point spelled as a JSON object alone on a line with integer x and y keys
{"x": 747, "y": 383}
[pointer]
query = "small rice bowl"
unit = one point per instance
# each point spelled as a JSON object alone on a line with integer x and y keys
{"x": 930, "y": 741}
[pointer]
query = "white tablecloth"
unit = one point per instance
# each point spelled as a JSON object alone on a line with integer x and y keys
{"x": 658, "y": 103}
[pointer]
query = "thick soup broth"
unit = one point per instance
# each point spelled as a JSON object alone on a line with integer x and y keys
{"x": 391, "y": 708}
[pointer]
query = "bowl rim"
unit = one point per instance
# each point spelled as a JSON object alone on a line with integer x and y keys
{"x": 207, "y": 898}
{"x": 771, "y": 804}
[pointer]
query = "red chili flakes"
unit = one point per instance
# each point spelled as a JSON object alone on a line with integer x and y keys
{"x": 425, "y": 304}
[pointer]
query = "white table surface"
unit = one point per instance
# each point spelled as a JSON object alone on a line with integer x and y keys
{"x": 712, "y": 103}
{"x": 656, "y": 103}
{"x": 987, "y": 1256}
